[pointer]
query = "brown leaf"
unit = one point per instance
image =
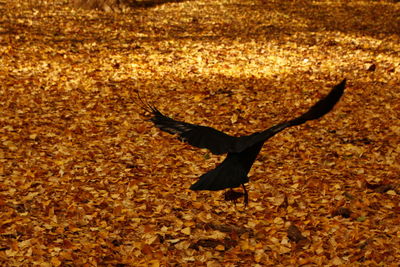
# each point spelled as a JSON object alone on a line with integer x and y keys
{"x": 294, "y": 233}
{"x": 344, "y": 212}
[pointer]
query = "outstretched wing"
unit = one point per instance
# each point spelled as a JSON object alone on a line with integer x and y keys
{"x": 323, "y": 106}
{"x": 220, "y": 143}
{"x": 319, "y": 109}
{"x": 199, "y": 136}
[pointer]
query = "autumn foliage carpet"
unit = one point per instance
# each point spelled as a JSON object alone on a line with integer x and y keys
{"x": 84, "y": 181}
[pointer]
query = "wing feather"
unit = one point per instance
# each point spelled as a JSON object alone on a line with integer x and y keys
{"x": 196, "y": 135}
{"x": 220, "y": 143}
{"x": 319, "y": 109}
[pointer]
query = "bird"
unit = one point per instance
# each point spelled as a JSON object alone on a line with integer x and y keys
{"x": 241, "y": 151}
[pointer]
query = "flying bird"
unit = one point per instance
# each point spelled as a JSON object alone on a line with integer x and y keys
{"x": 241, "y": 151}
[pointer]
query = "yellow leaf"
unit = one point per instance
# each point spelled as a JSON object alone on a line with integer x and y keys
{"x": 278, "y": 220}
{"x": 55, "y": 261}
{"x": 220, "y": 247}
{"x": 197, "y": 98}
{"x": 244, "y": 245}
{"x": 186, "y": 231}
{"x": 283, "y": 250}
{"x": 337, "y": 261}
{"x": 234, "y": 118}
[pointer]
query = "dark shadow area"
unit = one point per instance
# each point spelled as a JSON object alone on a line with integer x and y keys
{"x": 263, "y": 20}
{"x": 152, "y": 3}
{"x": 111, "y": 6}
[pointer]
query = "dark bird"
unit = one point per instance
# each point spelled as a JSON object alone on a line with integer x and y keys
{"x": 242, "y": 151}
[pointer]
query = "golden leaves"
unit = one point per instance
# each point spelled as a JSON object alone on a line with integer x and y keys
{"x": 84, "y": 181}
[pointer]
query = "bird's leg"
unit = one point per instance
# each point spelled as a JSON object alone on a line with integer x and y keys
{"x": 245, "y": 196}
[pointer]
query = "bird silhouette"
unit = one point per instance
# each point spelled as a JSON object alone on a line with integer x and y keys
{"x": 241, "y": 151}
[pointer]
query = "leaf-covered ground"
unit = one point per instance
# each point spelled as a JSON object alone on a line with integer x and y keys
{"x": 85, "y": 181}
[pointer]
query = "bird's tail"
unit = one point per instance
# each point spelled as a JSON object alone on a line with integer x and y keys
{"x": 229, "y": 174}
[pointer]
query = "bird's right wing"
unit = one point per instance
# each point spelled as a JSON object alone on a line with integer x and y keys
{"x": 196, "y": 135}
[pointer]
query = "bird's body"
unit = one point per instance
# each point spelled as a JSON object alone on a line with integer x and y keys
{"x": 241, "y": 151}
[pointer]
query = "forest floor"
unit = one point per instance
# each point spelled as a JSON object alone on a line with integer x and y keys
{"x": 85, "y": 180}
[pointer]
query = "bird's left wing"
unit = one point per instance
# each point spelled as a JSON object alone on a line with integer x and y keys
{"x": 196, "y": 135}
{"x": 319, "y": 109}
